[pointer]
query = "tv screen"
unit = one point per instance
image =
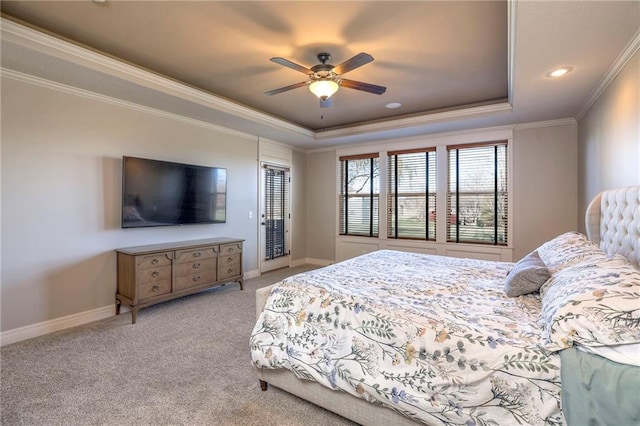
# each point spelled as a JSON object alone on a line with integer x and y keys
{"x": 161, "y": 193}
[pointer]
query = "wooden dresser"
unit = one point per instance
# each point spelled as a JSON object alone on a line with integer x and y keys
{"x": 159, "y": 272}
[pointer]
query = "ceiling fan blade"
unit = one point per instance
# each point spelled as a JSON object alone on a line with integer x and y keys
{"x": 351, "y": 64}
{"x": 287, "y": 63}
{"x": 284, "y": 89}
{"x": 326, "y": 103}
{"x": 365, "y": 87}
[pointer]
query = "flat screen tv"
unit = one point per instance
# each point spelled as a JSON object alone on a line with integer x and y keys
{"x": 161, "y": 193}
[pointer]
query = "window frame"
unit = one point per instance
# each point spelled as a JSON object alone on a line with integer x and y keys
{"x": 344, "y": 196}
{"x": 393, "y": 193}
{"x": 496, "y": 194}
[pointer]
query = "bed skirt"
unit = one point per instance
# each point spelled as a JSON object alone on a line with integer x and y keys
{"x": 597, "y": 391}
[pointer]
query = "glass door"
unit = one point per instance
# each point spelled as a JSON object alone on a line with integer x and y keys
{"x": 275, "y": 218}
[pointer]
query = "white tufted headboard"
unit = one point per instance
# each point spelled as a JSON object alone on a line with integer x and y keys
{"x": 613, "y": 222}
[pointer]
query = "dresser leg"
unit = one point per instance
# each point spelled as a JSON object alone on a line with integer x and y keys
{"x": 134, "y": 315}
{"x": 118, "y": 304}
{"x": 240, "y": 281}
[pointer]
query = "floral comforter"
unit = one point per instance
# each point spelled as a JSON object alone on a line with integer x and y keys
{"x": 432, "y": 337}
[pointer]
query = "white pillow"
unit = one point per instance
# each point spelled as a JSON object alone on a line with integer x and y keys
{"x": 568, "y": 249}
{"x": 592, "y": 303}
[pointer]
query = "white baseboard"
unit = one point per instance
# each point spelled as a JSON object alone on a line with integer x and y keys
{"x": 311, "y": 261}
{"x": 34, "y": 330}
{"x": 251, "y": 274}
{"x": 320, "y": 262}
{"x": 46, "y": 327}
{"x": 297, "y": 262}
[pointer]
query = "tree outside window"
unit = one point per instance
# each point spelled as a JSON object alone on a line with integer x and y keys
{"x": 477, "y": 196}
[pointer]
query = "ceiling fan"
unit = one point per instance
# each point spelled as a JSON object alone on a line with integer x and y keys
{"x": 325, "y": 79}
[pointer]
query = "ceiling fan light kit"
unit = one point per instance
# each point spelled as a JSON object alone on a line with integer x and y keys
{"x": 323, "y": 89}
{"x": 325, "y": 79}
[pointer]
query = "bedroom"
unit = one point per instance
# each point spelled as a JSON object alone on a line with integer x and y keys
{"x": 60, "y": 196}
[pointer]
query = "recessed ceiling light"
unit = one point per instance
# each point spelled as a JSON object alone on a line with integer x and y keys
{"x": 393, "y": 105}
{"x": 559, "y": 72}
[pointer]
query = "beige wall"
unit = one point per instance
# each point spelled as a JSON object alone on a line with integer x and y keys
{"x": 545, "y": 185}
{"x": 61, "y": 190}
{"x": 609, "y": 138}
{"x": 321, "y": 205}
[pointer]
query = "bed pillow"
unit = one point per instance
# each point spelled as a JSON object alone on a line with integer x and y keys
{"x": 527, "y": 276}
{"x": 568, "y": 249}
{"x": 592, "y": 303}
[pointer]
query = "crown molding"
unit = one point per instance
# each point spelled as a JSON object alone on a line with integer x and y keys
{"x": 547, "y": 123}
{"x": 495, "y": 132}
{"x": 483, "y": 134}
{"x": 624, "y": 57}
{"x": 56, "y": 47}
{"x": 415, "y": 121}
{"x": 87, "y": 94}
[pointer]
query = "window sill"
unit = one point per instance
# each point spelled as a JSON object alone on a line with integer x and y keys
{"x": 350, "y": 246}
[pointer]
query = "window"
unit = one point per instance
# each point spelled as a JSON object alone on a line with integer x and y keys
{"x": 359, "y": 194}
{"x": 477, "y": 195}
{"x": 411, "y": 205}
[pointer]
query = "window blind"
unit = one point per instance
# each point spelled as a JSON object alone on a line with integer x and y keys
{"x": 359, "y": 194}
{"x": 275, "y": 212}
{"x": 477, "y": 195}
{"x": 411, "y": 204}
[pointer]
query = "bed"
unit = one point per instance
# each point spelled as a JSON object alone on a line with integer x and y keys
{"x": 397, "y": 338}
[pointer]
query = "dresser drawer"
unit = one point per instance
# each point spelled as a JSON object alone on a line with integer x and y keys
{"x": 233, "y": 259}
{"x": 229, "y": 271}
{"x": 226, "y": 249}
{"x": 153, "y": 289}
{"x": 183, "y": 256}
{"x": 195, "y": 279}
{"x": 153, "y": 260}
{"x": 153, "y": 274}
{"x": 196, "y": 266}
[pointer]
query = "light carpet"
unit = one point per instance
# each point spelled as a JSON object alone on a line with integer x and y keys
{"x": 185, "y": 362}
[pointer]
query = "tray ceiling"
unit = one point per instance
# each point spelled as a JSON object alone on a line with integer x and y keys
{"x": 432, "y": 56}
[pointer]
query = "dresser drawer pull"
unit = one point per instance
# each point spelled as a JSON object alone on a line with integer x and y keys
{"x": 154, "y": 262}
{"x": 197, "y": 254}
{"x": 230, "y": 250}
{"x": 229, "y": 259}
{"x": 230, "y": 271}
{"x": 155, "y": 274}
{"x": 196, "y": 265}
{"x": 196, "y": 278}
{"x": 155, "y": 289}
